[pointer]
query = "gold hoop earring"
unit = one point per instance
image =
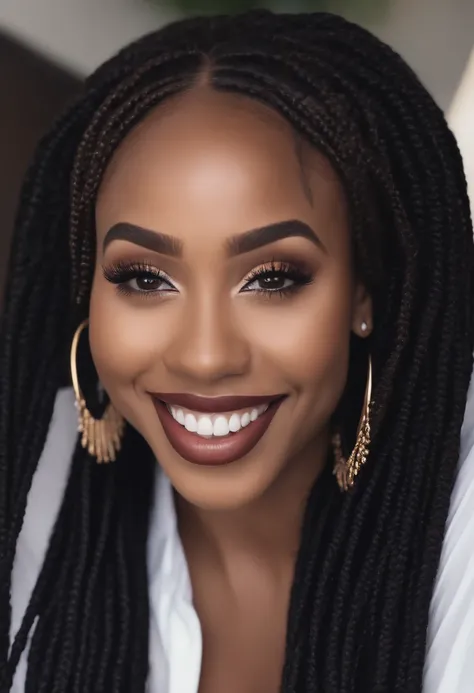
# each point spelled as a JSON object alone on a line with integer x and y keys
{"x": 102, "y": 438}
{"x": 347, "y": 470}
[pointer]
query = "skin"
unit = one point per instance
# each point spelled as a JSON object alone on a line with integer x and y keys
{"x": 204, "y": 167}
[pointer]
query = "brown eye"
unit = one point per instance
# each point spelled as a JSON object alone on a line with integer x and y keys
{"x": 277, "y": 279}
{"x": 272, "y": 281}
{"x": 147, "y": 283}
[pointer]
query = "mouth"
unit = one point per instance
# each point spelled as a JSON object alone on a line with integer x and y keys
{"x": 214, "y": 431}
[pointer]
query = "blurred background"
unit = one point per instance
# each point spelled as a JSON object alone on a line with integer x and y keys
{"x": 48, "y": 46}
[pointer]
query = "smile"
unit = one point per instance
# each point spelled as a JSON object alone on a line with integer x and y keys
{"x": 215, "y": 425}
{"x": 214, "y": 430}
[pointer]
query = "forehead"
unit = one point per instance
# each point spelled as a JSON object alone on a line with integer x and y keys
{"x": 211, "y": 154}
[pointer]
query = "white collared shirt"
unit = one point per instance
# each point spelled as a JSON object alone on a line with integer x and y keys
{"x": 449, "y": 666}
{"x": 175, "y": 633}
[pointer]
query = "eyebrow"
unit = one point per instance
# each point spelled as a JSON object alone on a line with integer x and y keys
{"x": 236, "y": 245}
{"x": 257, "y": 238}
{"x": 153, "y": 240}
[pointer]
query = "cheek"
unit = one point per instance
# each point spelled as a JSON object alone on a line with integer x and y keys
{"x": 307, "y": 339}
{"x": 120, "y": 339}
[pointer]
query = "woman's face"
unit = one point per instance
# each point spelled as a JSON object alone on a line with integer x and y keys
{"x": 224, "y": 269}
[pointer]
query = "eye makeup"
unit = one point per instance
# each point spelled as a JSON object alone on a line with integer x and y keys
{"x": 277, "y": 278}
{"x": 136, "y": 278}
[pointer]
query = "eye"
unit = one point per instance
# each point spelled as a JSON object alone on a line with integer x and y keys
{"x": 278, "y": 278}
{"x": 138, "y": 279}
{"x": 270, "y": 281}
{"x": 148, "y": 282}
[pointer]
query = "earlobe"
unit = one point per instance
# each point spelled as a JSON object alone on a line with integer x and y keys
{"x": 362, "y": 316}
{"x": 362, "y": 328}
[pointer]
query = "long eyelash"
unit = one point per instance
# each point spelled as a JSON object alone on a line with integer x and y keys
{"x": 301, "y": 277}
{"x": 122, "y": 272}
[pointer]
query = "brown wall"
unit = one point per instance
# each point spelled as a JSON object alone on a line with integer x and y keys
{"x": 32, "y": 93}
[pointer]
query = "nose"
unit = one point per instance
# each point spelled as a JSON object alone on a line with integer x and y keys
{"x": 208, "y": 345}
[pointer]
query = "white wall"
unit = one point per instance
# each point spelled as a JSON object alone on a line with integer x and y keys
{"x": 461, "y": 120}
{"x": 435, "y": 37}
{"x": 79, "y": 34}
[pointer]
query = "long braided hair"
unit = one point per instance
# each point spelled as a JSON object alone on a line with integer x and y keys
{"x": 368, "y": 559}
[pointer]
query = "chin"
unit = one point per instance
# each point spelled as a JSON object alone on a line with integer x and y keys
{"x": 224, "y": 488}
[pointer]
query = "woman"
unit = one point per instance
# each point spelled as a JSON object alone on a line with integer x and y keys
{"x": 258, "y": 229}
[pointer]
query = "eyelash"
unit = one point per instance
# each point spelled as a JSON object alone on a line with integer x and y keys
{"x": 123, "y": 273}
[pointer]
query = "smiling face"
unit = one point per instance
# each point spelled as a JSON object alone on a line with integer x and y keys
{"x": 224, "y": 268}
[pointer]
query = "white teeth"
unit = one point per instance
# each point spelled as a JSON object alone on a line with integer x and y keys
{"x": 178, "y": 414}
{"x": 204, "y": 427}
{"x": 190, "y": 423}
{"x": 234, "y": 423}
{"x": 218, "y": 425}
{"x": 221, "y": 426}
{"x": 245, "y": 419}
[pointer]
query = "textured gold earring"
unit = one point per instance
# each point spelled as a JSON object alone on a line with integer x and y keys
{"x": 347, "y": 470}
{"x": 102, "y": 438}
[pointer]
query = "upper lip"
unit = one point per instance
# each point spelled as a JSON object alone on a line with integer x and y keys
{"x": 216, "y": 405}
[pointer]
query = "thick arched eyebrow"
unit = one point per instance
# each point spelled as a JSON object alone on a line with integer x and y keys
{"x": 257, "y": 238}
{"x": 235, "y": 245}
{"x": 146, "y": 238}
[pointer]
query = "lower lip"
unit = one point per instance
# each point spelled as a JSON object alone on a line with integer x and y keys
{"x": 217, "y": 450}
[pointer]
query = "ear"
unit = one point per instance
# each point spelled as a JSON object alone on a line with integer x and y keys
{"x": 362, "y": 312}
